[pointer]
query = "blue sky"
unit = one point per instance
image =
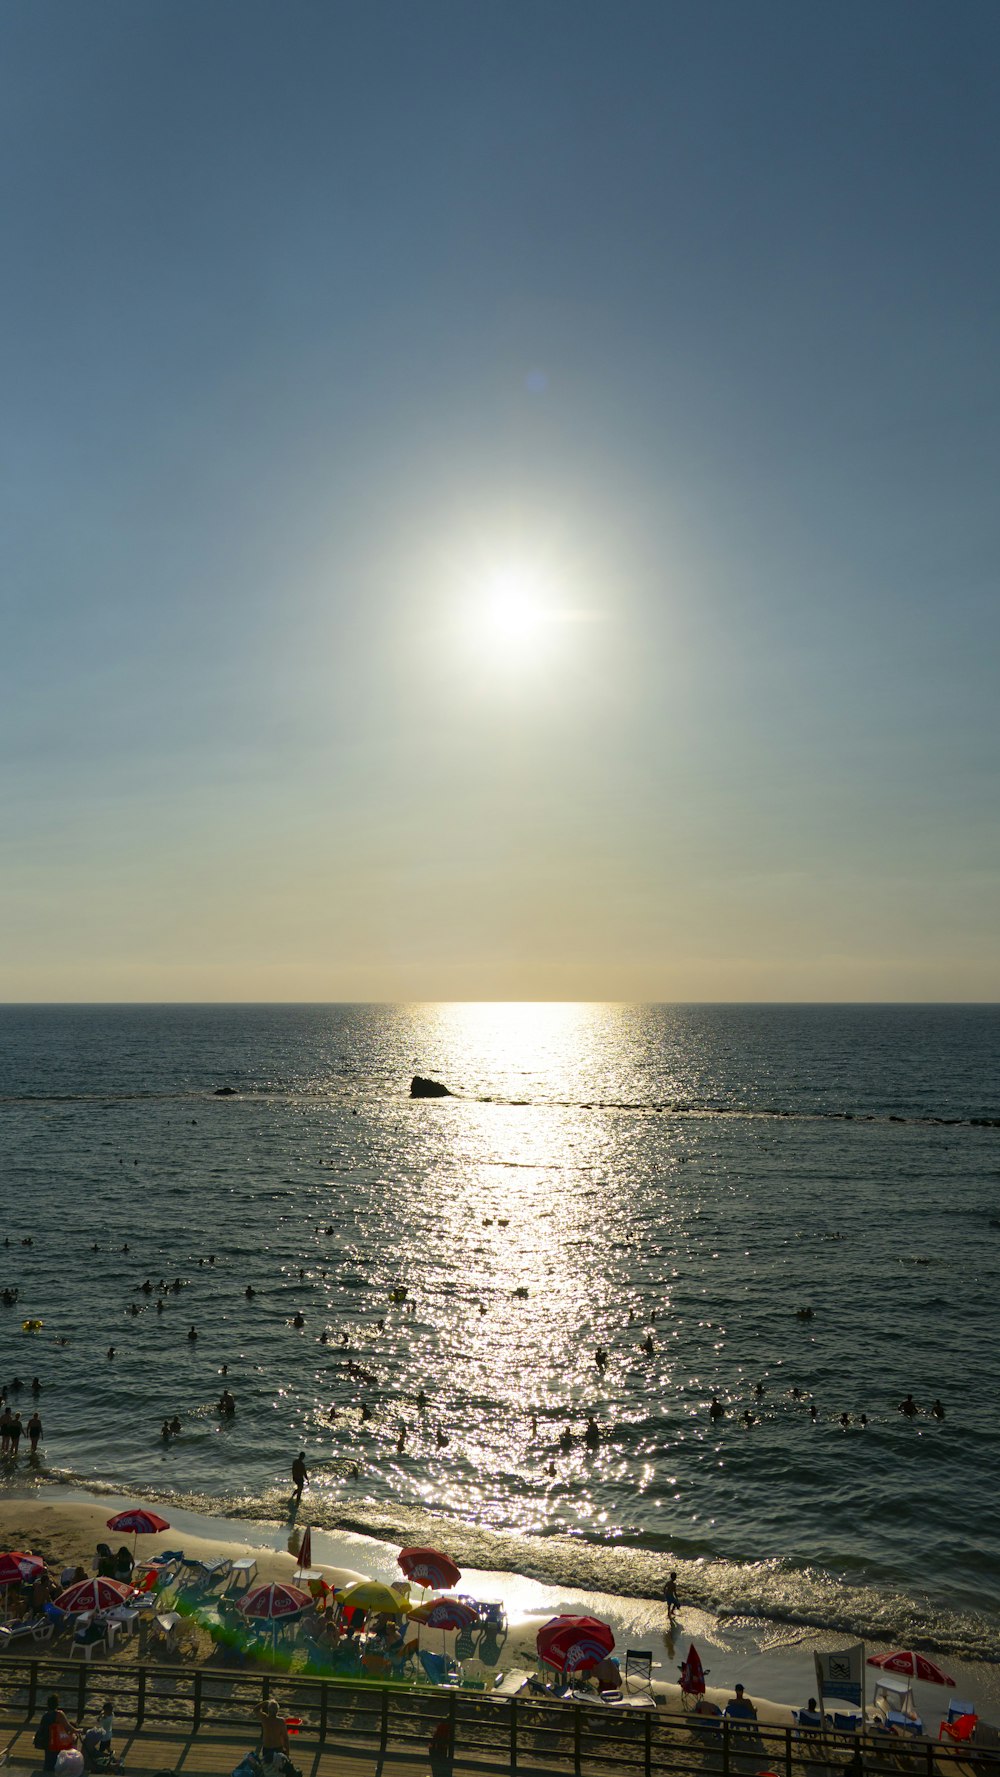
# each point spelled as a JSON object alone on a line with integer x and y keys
{"x": 322, "y": 322}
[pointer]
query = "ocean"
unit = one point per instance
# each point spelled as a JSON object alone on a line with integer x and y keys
{"x": 794, "y": 1207}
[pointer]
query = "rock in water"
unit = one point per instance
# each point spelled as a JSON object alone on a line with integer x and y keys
{"x": 421, "y": 1088}
{"x": 225, "y": 1092}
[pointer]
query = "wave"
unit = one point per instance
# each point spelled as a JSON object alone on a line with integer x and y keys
{"x": 769, "y": 1590}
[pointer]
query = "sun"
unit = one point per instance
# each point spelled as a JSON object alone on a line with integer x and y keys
{"x": 517, "y": 605}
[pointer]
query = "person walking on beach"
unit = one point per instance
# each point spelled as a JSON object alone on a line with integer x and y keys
{"x": 300, "y": 1475}
{"x": 670, "y": 1597}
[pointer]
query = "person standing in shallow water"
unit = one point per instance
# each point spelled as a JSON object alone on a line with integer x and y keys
{"x": 300, "y": 1475}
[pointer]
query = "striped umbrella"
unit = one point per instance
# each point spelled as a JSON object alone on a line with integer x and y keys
{"x": 139, "y": 1522}
{"x": 97, "y": 1594}
{"x": 15, "y": 1568}
{"x": 428, "y": 1567}
{"x": 572, "y": 1644}
{"x": 911, "y": 1665}
{"x": 275, "y": 1603}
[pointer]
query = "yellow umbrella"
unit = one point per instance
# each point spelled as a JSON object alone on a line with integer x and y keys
{"x": 372, "y": 1595}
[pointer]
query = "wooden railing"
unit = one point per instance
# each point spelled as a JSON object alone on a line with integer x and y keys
{"x": 490, "y": 1733}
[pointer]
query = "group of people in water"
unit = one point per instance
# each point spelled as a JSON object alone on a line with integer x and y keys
{"x": 12, "y": 1428}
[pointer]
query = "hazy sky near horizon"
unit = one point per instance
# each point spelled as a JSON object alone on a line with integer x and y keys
{"x": 500, "y": 500}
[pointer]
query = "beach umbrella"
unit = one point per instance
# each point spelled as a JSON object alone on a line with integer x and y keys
{"x": 15, "y": 1568}
{"x": 138, "y": 1522}
{"x": 693, "y": 1674}
{"x": 910, "y": 1665}
{"x": 274, "y": 1603}
{"x": 275, "y": 1600}
{"x": 572, "y": 1644}
{"x": 372, "y": 1595}
{"x": 445, "y": 1613}
{"x": 98, "y": 1594}
{"x": 428, "y": 1567}
{"x": 306, "y": 1549}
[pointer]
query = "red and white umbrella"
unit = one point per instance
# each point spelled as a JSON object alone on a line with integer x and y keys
{"x": 445, "y": 1613}
{"x": 273, "y": 1601}
{"x": 15, "y": 1568}
{"x": 97, "y": 1594}
{"x": 428, "y": 1567}
{"x": 573, "y": 1644}
{"x": 911, "y": 1665}
{"x": 139, "y": 1522}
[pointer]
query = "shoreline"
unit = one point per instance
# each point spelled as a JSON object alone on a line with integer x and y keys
{"x": 773, "y": 1660}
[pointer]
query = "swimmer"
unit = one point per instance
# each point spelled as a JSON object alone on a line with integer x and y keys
{"x": 249, "y": 1292}
{"x": 748, "y": 1418}
{"x": 421, "y": 1398}
{"x": 812, "y": 1413}
{"x": 863, "y": 1419}
{"x": 353, "y": 1472}
{"x": 566, "y": 1440}
{"x": 937, "y": 1411}
{"x": 324, "y": 1337}
{"x": 193, "y": 1333}
{"x": 909, "y": 1407}
{"x": 592, "y": 1435}
{"x": 111, "y": 1350}
{"x": 844, "y": 1420}
{"x": 401, "y": 1441}
{"x": 551, "y": 1469}
{"x": 601, "y": 1358}
{"x": 366, "y": 1411}
{"x": 175, "y": 1425}
{"x": 647, "y": 1345}
{"x": 759, "y": 1390}
{"x": 165, "y": 1431}
{"x": 534, "y": 1425}
{"x": 440, "y": 1438}
{"x": 159, "y": 1306}
{"x": 796, "y": 1394}
{"x": 716, "y": 1410}
{"x": 298, "y": 1320}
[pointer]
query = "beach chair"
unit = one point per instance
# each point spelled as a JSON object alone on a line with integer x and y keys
{"x": 961, "y": 1729}
{"x": 492, "y": 1615}
{"x": 437, "y": 1667}
{"x": 956, "y": 1708}
{"x": 639, "y": 1665}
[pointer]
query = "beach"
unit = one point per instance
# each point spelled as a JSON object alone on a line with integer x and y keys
{"x": 776, "y": 1671}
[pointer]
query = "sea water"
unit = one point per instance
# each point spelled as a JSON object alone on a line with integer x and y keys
{"x": 787, "y": 1198}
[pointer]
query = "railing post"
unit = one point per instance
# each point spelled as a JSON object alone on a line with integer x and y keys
{"x": 383, "y": 1731}
{"x": 648, "y": 1749}
{"x": 725, "y": 1746}
{"x": 323, "y": 1696}
{"x": 140, "y": 1701}
{"x": 513, "y": 1733}
{"x": 197, "y": 1699}
{"x": 452, "y": 1712}
{"x": 788, "y": 1754}
{"x": 81, "y": 1690}
{"x": 32, "y": 1686}
{"x": 576, "y": 1739}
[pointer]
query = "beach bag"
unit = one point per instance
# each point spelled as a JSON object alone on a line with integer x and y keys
{"x": 41, "y": 1739}
{"x": 61, "y": 1738}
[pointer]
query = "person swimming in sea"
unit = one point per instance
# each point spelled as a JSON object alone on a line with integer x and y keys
{"x": 592, "y": 1435}
{"x": 909, "y": 1407}
{"x": 716, "y": 1410}
{"x": 647, "y": 1345}
{"x": 601, "y": 1358}
{"x": 937, "y": 1411}
{"x": 566, "y": 1440}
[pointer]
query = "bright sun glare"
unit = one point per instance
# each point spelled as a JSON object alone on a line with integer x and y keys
{"x": 516, "y": 605}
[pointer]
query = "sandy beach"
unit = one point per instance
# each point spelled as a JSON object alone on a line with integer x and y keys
{"x": 773, "y": 1662}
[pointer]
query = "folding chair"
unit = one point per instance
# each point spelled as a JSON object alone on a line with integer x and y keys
{"x": 639, "y": 1665}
